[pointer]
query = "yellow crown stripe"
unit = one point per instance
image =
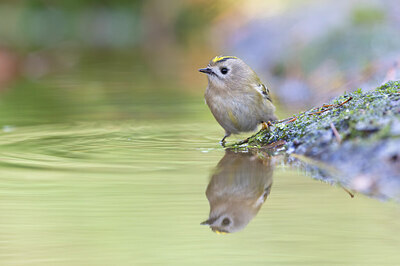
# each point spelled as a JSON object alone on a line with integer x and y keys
{"x": 221, "y": 58}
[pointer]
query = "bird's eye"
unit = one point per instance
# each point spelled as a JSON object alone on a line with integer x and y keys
{"x": 224, "y": 70}
{"x": 226, "y": 221}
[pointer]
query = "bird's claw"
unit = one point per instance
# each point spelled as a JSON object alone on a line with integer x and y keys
{"x": 264, "y": 126}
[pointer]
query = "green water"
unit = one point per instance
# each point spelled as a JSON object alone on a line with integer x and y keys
{"x": 89, "y": 181}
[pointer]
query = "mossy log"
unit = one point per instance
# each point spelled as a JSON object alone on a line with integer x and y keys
{"x": 356, "y": 134}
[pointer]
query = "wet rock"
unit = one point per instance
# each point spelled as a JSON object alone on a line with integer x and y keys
{"x": 366, "y": 152}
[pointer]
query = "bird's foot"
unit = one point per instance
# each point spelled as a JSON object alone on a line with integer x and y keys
{"x": 266, "y": 125}
{"x": 222, "y": 142}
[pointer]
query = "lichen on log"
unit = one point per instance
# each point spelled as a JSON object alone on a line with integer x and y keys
{"x": 357, "y": 133}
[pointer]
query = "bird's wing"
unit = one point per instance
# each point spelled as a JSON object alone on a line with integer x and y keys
{"x": 264, "y": 91}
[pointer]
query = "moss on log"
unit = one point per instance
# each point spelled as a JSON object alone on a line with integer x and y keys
{"x": 357, "y": 133}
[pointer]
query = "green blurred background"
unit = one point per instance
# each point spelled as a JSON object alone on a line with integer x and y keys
{"x": 61, "y": 60}
{"x": 106, "y": 145}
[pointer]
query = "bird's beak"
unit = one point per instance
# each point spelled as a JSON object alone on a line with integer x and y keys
{"x": 205, "y": 223}
{"x": 210, "y": 221}
{"x": 206, "y": 70}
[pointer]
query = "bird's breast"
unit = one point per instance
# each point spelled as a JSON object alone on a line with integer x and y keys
{"x": 235, "y": 112}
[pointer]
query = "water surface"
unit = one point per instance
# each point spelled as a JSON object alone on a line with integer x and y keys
{"x": 112, "y": 189}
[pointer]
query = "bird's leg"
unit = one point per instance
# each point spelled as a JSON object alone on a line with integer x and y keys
{"x": 222, "y": 142}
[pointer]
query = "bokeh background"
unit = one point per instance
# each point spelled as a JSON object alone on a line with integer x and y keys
{"x": 107, "y": 146}
{"x": 76, "y": 60}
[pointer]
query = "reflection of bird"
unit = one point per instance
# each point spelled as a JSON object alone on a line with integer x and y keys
{"x": 237, "y": 189}
{"x": 236, "y": 97}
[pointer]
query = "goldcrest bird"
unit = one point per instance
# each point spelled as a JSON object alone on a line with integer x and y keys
{"x": 236, "y": 96}
{"x": 239, "y": 186}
